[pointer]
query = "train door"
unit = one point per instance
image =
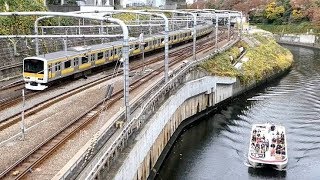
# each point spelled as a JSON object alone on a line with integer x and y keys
{"x": 119, "y": 52}
{"x": 57, "y": 68}
{"x": 50, "y": 71}
{"x": 111, "y": 54}
{"x": 107, "y": 55}
{"x": 92, "y": 58}
{"x": 115, "y": 54}
{"x": 76, "y": 64}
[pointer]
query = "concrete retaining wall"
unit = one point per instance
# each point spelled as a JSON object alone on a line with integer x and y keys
{"x": 196, "y": 97}
{"x": 307, "y": 40}
{"x": 193, "y": 97}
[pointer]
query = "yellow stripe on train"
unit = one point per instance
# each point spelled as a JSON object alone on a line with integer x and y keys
{"x": 36, "y": 75}
{"x": 84, "y": 66}
{"x": 100, "y": 61}
{"x": 67, "y": 71}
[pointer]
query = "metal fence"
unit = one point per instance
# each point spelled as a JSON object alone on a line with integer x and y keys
{"x": 147, "y": 109}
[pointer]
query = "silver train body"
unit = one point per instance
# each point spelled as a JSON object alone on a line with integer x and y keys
{"x": 38, "y": 71}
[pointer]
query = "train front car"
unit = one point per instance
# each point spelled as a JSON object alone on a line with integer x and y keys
{"x": 35, "y": 73}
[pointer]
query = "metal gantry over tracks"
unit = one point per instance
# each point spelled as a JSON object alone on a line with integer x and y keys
{"x": 125, "y": 35}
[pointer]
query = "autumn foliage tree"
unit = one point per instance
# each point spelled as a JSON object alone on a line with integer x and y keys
{"x": 273, "y": 11}
{"x": 19, "y": 24}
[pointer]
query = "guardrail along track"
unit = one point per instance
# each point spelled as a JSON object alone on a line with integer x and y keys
{"x": 38, "y": 154}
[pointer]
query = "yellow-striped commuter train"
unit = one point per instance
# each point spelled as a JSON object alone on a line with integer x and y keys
{"x": 40, "y": 70}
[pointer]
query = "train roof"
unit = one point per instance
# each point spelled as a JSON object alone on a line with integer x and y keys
{"x": 73, "y": 51}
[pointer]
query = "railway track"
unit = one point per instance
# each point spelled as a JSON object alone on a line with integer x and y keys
{"x": 13, "y": 92}
{"x": 42, "y": 105}
{"x": 39, "y": 153}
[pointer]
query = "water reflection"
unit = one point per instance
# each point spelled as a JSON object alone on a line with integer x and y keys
{"x": 267, "y": 172}
{"x": 216, "y": 148}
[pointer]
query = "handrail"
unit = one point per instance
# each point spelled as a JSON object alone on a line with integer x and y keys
{"x": 129, "y": 125}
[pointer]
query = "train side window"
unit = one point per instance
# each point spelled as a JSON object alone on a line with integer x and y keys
{"x": 120, "y": 50}
{"x": 67, "y": 64}
{"x": 75, "y": 62}
{"x": 115, "y": 51}
{"x": 100, "y": 55}
{"x": 49, "y": 68}
{"x": 111, "y": 52}
{"x": 136, "y": 46}
{"x": 162, "y": 40}
{"x": 84, "y": 59}
{"x": 154, "y": 42}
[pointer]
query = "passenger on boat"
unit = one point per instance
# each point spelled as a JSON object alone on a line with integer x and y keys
{"x": 267, "y": 144}
{"x": 252, "y": 145}
{"x": 273, "y": 127}
{"x": 254, "y": 131}
{"x": 254, "y": 138}
{"x": 272, "y": 151}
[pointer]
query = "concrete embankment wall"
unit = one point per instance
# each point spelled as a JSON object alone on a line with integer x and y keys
{"x": 307, "y": 40}
{"x": 194, "y": 97}
{"x": 192, "y": 101}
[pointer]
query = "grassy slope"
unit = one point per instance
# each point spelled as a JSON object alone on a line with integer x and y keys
{"x": 264, "y": 59}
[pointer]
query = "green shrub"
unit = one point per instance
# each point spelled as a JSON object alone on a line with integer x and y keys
{"x": 265, "y": 59}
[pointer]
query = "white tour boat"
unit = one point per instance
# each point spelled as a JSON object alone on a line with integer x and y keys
{"x": 268, "y": 146}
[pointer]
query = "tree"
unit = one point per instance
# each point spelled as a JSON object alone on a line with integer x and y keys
{"x": 19, "y": 24}
{"x": 273, "y": 12}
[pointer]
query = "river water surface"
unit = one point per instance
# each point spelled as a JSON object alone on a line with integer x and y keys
{"x": 216, "y": 148}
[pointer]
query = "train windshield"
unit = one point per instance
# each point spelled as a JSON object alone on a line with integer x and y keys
{"x": 33, "y": 66}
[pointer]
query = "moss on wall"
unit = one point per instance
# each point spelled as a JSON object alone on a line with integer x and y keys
{"x": 265, "y": 58}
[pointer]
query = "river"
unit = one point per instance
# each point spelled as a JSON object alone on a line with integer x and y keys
{"x": 216, "y": 147}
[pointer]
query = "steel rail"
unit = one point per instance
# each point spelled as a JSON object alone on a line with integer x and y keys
{"x": 40, "y": 152}
{"x": 42, "y": 105}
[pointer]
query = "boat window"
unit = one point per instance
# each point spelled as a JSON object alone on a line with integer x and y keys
{"x": 67, "y": 64}
{"x": 33, "y": 66}
{"x": 100, "y": 55}
{"x": 84, "y": 59}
